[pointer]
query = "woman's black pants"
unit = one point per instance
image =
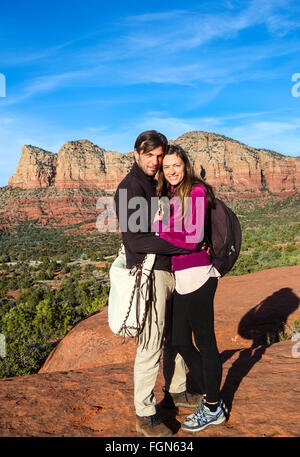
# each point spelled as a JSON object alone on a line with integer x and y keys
{"x": 193, "y": 314}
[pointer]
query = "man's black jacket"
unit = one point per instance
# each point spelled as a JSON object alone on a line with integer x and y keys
{"x": 137, "y": 244}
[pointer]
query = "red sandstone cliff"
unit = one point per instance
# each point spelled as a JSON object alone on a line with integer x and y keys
{"x": 81, "y": 164}
{"x": 62, "y": 189}
{"x": 232, "y": 166}
{"x": 228, "y": 164}
{"x": 36, "y": 169}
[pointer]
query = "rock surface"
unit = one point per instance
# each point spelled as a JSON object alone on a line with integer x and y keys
{"x": 83, "y": 402}
{"x": 88, "y": 376}
{"x": 248, "y": 308}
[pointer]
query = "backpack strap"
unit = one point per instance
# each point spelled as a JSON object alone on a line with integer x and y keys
{"x": 207, "y": 231}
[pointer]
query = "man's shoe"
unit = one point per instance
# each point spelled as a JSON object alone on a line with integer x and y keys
{"x": 185, "y": 399}
{"x": 152, "y": 426}
{"x": 203, "y": 417}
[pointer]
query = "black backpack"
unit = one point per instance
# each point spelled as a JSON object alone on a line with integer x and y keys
{"x": 224, "y": 236}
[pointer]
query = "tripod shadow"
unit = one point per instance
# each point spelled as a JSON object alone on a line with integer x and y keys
{"x": 264, "y": 324}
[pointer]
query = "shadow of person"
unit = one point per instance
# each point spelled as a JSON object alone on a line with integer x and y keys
{"x": 202, "y": 172}
{"x": 263, "y": 324}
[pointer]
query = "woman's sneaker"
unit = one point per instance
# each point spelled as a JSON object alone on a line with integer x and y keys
{"x": 203, "y": 417}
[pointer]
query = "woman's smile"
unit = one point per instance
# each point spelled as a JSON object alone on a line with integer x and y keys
{"x": 173, "y": 168}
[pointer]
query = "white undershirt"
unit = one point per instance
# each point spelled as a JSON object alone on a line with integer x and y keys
{"x": 191, "y": 279}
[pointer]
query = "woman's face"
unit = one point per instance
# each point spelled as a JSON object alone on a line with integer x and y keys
{"x": 173, "y": 168}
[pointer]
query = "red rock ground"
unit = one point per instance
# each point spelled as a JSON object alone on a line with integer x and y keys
{"x": 88, "y": 377}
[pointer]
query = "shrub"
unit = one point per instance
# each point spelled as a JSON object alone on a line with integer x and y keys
{"x": 93, "y": 305}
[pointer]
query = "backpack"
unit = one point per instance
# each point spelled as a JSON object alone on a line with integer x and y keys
{"x": 224, "y": 236}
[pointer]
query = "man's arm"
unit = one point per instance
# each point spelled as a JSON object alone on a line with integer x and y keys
{"x": 144, "y": 242}
{"x": 148, "y": 243}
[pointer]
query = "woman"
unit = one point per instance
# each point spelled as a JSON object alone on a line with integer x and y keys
{"x": 196, "y": 282}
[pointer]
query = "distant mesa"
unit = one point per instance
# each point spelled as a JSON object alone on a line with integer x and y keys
{"x": 227, "y": 164}
{"x": 78, "y": 164}
{"x": 60, "y": 190}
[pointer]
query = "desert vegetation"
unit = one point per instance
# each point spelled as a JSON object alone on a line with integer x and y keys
{"x": 50, "y": 279}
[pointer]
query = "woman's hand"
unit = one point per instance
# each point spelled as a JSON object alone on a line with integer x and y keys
{"x": 158, "y": 216}
{"x": 159, "y": 213}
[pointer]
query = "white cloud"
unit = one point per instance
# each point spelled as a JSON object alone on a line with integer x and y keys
{"x": 167, "y": 48}
{"x": 49, "y": 83}
{"x": 281, "y": 136}
{"x": 29, "y": 57}
{"x": 178, "y": 30}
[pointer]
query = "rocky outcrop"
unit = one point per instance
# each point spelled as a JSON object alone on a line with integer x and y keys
{"x": 233, "y": 167}
{"x": 81, "y": 164}
{"x": 87, "y": 380}
{"x": 36, "y": 169}
{"x": 51, "y": 207}
{"x": 248, "y": 308}
{"x": 230, "y": 166}
{"x": 62, "y": 189}
{"x": 87, "y": 402}
{"x": 78, "y": 165}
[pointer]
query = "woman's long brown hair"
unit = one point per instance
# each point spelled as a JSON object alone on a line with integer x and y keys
{"x": 184, "y": 188}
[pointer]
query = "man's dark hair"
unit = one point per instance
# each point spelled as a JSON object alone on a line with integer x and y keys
{"x": 149, "y": 140}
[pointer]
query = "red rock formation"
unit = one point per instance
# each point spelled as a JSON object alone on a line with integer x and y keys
{"x": 227, "y": 164}
{"x": 36, "y": 169}
{"x": 51, "y": 207}
{"x": 87, "y": 380}
{"x": 92, "y": 343}
{"x": 232, "y": 166}
{"x": 81, "y": 164}
{"x": 65, "y": 185}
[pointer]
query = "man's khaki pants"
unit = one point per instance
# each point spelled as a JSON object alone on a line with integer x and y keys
{"x": 149, "y": 350}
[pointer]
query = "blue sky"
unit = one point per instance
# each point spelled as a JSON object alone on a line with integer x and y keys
{"x": 105, "y": 71}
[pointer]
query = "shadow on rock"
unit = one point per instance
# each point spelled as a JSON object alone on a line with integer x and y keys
{"x": 264, "y": 325}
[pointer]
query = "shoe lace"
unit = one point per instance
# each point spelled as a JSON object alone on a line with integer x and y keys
{"x": 200, "y": 409}
{"x": 201, "y": 412}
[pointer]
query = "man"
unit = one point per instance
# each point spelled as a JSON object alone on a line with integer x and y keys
{"x": 149, "y": 150}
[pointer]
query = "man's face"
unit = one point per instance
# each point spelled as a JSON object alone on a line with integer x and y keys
{"x": 150, "y": 162}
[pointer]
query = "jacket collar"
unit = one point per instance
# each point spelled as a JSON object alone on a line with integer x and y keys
{"x": 138, "y": 172}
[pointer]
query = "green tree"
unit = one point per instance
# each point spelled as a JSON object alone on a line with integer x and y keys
{"x": 23, "y": 351}
{"x": 53, "y": 319}
{"x": 93, "y": 305}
